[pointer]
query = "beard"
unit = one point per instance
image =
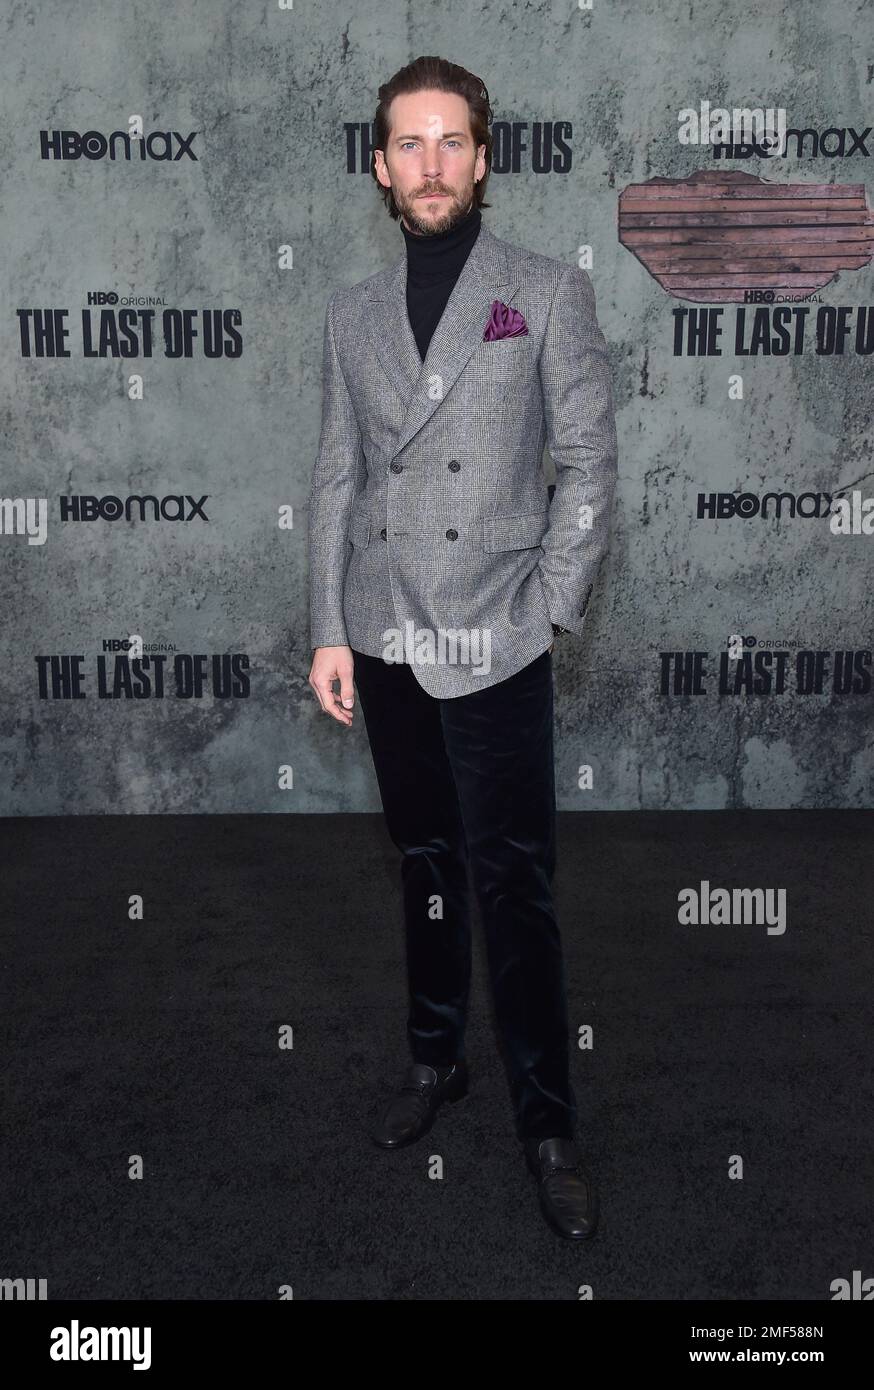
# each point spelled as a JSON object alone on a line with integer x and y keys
{"x": 452, "y": 209}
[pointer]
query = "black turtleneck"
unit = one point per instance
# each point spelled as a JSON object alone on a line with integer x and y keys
{"x": 434, "y": 263}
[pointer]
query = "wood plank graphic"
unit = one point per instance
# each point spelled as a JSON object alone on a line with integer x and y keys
{"x": 712, "y": 236}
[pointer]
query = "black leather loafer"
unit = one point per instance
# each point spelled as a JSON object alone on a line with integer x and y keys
{"x": 568, "y": 1198}
{"x": 410, "y": 1112}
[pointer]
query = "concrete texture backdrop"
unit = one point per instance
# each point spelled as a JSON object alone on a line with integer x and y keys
{"x": 269, "y": 91}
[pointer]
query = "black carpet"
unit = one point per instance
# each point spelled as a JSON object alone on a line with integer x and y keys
{"x": 159, "y": 1037}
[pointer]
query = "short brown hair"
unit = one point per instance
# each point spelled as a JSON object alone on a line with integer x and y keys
{"x": 439, "y": 75}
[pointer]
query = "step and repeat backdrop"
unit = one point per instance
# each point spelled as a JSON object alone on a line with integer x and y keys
{"x": 183, "y": 188}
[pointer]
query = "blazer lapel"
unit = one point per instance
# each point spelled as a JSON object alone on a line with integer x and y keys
{"x": 456, "y": 336}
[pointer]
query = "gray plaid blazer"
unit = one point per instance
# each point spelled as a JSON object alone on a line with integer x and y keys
{"x": 432, "y": 536}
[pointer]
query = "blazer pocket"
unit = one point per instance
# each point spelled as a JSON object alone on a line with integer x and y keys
{"x": 359, "y": 530}
{"x": 515, "y": 532}
{"x": 504, "y": 357}
{"x": 512, "y": 340}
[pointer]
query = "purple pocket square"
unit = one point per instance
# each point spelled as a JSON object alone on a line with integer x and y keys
{"x": 504, "y": 322}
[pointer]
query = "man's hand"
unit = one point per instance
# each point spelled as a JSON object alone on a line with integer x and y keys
{"x": 331, "y": 664}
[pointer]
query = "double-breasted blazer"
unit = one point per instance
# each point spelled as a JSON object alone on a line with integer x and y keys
{"x": 429, "y": 510}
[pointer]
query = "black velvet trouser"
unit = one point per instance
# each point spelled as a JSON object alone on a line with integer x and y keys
{"x": 472, "y": 777}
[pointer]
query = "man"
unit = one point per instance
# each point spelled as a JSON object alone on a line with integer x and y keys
{"x": 439, "y": 575}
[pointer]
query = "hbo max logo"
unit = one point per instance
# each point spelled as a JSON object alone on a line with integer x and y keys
{"x": 720, "y": 505}
{"x": 158, "y": 144}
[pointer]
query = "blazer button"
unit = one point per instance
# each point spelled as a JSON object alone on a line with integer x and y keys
{"x": 452, "y": 535}
{"x": 397, "y": 467}
{"x": 454, "y": 466}
{"x": 383, "y": 533}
